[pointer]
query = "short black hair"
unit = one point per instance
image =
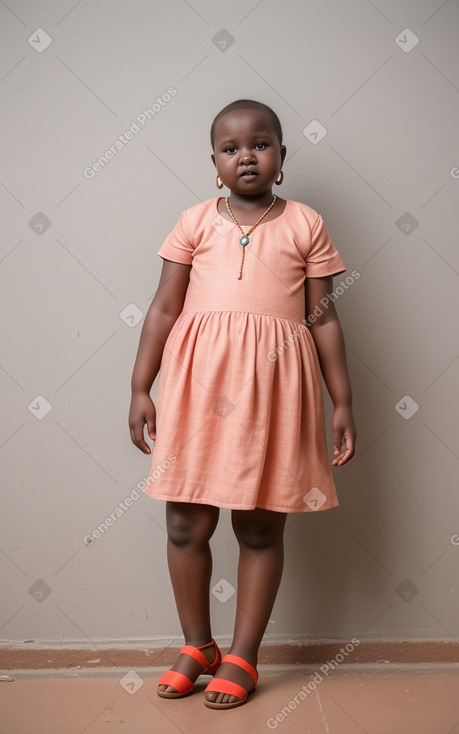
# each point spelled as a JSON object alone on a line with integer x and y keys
{"x": 247, "y": 104}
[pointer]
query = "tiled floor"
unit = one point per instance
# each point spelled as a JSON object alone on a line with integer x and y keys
{"x": 368, "y": 699}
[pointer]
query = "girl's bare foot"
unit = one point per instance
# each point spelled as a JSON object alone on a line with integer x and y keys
{"x": 189, "y": 666}
{"x": 235, "y": 674}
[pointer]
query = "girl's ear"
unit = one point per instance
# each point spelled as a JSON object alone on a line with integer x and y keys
{"x": 213, "y": 160}
{"x": 283, "y": 152}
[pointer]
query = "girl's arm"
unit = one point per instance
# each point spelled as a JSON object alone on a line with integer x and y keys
{"x": 164, "y": 310}
{"x": 329, "y": 341}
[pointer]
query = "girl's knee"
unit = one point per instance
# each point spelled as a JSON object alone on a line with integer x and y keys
{"x": 258, "y": 528}
{"x": 189, "y": 524}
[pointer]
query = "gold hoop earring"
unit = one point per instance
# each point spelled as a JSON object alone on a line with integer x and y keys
{"x": 219, "y": 182}
{"x": 280, "y": 178}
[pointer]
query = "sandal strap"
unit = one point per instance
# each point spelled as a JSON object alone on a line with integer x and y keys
{"x": 241, "y": 663}
{"x": 178, "y": 680}
{"x": 221, "y": 685}
{"x": 195, "y": 653}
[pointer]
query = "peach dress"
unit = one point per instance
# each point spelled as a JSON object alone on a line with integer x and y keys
{"x": 240, "y": 413}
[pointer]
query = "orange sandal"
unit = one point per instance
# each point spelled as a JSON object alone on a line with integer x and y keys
{"x": 183, "y": 684}
{"x": 221, "y": 685}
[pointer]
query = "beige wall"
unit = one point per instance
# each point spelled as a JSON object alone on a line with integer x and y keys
{"x": 383, "y": 565}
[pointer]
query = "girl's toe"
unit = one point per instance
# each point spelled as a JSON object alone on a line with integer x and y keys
{"x": 164, "y": 688}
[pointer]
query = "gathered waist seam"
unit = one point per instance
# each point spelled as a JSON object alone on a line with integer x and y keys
{"x": 249, "y": 313}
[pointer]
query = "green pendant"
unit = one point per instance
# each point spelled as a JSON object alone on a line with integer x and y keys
{"x": 244, "y": 241}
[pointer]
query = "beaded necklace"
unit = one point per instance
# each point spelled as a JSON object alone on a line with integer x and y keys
{"x": 244, "y": 240}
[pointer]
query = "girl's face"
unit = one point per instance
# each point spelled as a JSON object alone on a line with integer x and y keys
{"x": 246, "y": 141}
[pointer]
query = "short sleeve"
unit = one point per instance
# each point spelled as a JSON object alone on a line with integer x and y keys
{"x": 323, "y": 258}
{"x": 178, "y": 245}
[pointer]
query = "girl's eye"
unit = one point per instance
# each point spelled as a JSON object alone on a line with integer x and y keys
{"x": 231, "y": 149}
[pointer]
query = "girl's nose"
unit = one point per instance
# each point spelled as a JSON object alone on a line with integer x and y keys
{"x": 247, "y": 156}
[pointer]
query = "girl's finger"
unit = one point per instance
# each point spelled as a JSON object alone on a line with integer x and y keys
{"x": 346, "y": 454}
{"x": 338, "y": 443}
{"x": 151, "y": 428}
{"x": 340, "y": 460}
{"x": 143, "y": 446}
{"x": 139, "y": 441}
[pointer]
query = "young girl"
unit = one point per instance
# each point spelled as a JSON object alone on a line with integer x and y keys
{"x": 242, "y": 324}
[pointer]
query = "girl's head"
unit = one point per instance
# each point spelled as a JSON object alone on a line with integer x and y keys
{"x": 247, "y": 135}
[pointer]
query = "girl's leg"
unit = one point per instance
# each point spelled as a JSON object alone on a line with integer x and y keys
{"x": 260, "y": 534}
{"x": 189, "y": 529}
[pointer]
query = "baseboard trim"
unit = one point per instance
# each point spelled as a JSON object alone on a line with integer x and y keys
{"x": 312, "y": 653}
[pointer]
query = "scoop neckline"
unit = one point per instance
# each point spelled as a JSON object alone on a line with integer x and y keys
{"x": 270, "y": 221}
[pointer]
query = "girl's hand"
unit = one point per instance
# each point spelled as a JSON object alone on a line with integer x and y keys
{"x": 142, "y": 411}
{"x": 344, "y": 435}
